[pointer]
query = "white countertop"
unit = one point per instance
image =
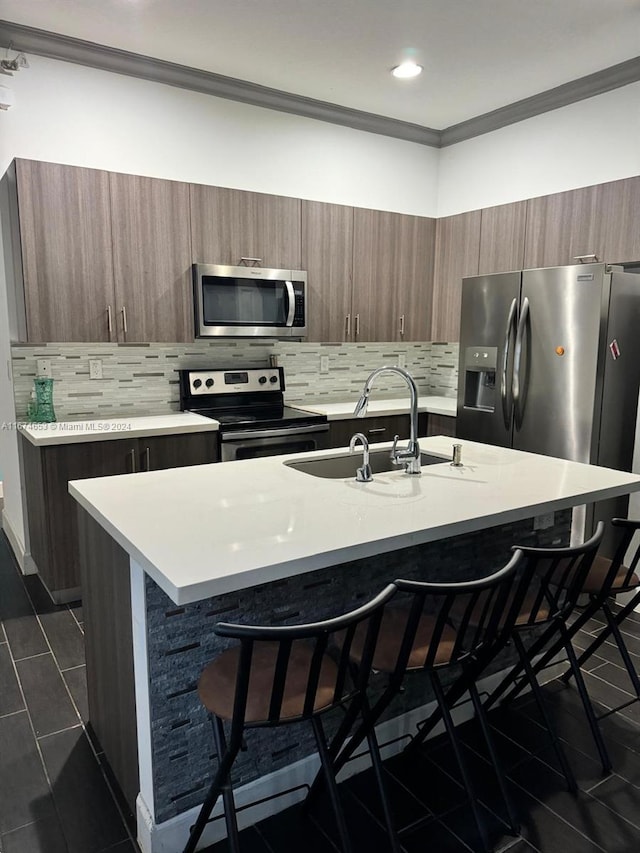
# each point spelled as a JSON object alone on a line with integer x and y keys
{"x": 104, "y": 429}
{"x": 342, "y": 411}
{"x": 213, "y": 529}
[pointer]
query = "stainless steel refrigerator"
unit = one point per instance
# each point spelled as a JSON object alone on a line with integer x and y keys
{"x": 550, "y": 363}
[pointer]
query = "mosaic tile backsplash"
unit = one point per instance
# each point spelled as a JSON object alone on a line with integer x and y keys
{"x": 140, "y": 379}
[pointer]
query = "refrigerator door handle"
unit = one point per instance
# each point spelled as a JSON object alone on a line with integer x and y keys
{"x": 517, "y": 363}
{"x": 504, "y": 396}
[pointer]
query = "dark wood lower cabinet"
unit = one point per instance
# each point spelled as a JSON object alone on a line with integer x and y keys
{"x": 51, "y": 511}
{"x": 441, "y": 425}
{"x": 376, "y": 429}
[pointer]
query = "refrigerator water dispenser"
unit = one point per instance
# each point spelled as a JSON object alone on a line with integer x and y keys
{"x": 480, "y": 378}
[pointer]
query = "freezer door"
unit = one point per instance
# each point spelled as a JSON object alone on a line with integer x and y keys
{"x": 558, "y": 361}
{"x": 487, "y": 336}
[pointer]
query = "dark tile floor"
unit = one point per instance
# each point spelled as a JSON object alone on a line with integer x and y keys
{"x": 55, "y": 795}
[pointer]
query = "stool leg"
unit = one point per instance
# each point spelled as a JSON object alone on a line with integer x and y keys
{"x": 514, "y": 824}
{"x": 537, "y": 694}
{"x": 586, "y": 704}
{"x": 332, "y": 785}
{"x": 378, "y": 770}
{"x": 622, "y": 648}
{"x": 602, "y": 636}
{"x": 369, "y": 719}
{"x": 225, "y": 763}
{"x": 230, "y": 818}
{"x": 453, "y": 739}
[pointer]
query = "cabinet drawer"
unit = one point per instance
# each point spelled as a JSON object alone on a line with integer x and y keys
{"x": 377, "y": 429}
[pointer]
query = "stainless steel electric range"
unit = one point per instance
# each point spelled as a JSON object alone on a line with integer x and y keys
{"x": 249, "y": 405}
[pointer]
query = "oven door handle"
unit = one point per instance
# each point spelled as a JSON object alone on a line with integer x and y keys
{"x": 292, "y": 302}
{"x": 273, "y": 433}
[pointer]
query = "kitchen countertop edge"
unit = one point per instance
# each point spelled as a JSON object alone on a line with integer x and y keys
{"x": 110, "y": 429}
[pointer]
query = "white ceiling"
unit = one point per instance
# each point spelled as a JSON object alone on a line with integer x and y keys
{"x": 478, "y": 55}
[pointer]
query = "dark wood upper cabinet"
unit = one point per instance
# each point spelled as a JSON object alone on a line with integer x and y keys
{"x": 617, "y": 232}
{"x": 502, "y": 238}
{"x": 602, "y": 219}
{"x": 65, "y": 227}
{"x": 327, "y": 255}
{"x": 152, "y": 259}
{"x": 415, "y": 292}
{"x": 457, "y": 255}
{"x": 227, "y": 225}
{"x": 392, "y": 276}
{"x": 560, "y": 227}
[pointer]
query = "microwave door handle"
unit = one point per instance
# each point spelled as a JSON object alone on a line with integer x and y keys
{"x": 504, "y": 393}
{"x": 292, "y": 303}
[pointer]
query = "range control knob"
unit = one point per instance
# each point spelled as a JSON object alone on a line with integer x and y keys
{"x": 197, "y": 383}
{"x": 209, "y": 382}
{"x": 273, "y": 380}
{"x": 262, "y": 380}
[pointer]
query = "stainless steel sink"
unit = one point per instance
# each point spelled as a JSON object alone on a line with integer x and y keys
{"x": 339, "y": 467}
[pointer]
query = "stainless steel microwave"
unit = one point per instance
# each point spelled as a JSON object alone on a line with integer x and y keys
{"x": 249, "y": 302}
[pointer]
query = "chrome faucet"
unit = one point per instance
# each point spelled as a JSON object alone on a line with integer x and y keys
{"x": 363, "y": 475}
{"x": 410, "y": 457}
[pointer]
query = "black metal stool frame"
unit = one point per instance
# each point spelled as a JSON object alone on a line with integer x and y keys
{"x": 598, "y": 601}
{"x": 495, "y": 600}
{"x": 561, "y": 574}
{"x": 348, "y": 694}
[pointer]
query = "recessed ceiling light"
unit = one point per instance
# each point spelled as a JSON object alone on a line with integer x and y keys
{"x": 407, "y": 69}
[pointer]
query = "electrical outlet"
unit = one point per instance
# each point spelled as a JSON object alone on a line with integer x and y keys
{"x": 541, "y": 522}
{"x": 43, "y": 367}
{"x": 402, "y": 360}
{"x": 324, "y": 364}
{"x": 95, "y": 368}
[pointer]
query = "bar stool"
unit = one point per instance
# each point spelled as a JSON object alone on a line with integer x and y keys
{"x": 420, "y": 635}
{"x": 605, "y": 580}
{"x": 560, "y": 576}
{"x": 282, "y": 675}
{"x": 608, "y": 579}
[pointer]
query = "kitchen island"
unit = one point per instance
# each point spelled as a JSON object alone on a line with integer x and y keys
{"x": 166, "y": 554}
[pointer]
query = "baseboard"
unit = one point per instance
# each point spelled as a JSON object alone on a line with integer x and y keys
{"x": 393, "y": 735}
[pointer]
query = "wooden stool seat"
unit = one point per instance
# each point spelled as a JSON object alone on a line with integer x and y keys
{"x": 598, "y": 578}
{"x": 391, "y": 634}
{"x": 532, "y": 610}
{"x": 217, "y": 684}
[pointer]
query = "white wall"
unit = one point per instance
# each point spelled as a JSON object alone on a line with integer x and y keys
{"x": 68, "y": 114}
{"x": 12, "y": 516}
{"x": 590, "y": 142}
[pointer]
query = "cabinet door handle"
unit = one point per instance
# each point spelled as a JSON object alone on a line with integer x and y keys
{"x": 347, "y": 326}
{"x": 109, "y": 321}
{"x": 124, "y": 319}
{"x": 132, "y": 454}
{"x": 402, "y": 325}
{"x": 357, "y": 325}
{"x": 147, "y": 459}
{"x": 377, "y": 431}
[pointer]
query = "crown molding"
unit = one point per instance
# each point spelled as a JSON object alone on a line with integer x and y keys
{"x": 569, "y": 93}
{"x": 92, "y": 55}
{"x": 79, "y": 52}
